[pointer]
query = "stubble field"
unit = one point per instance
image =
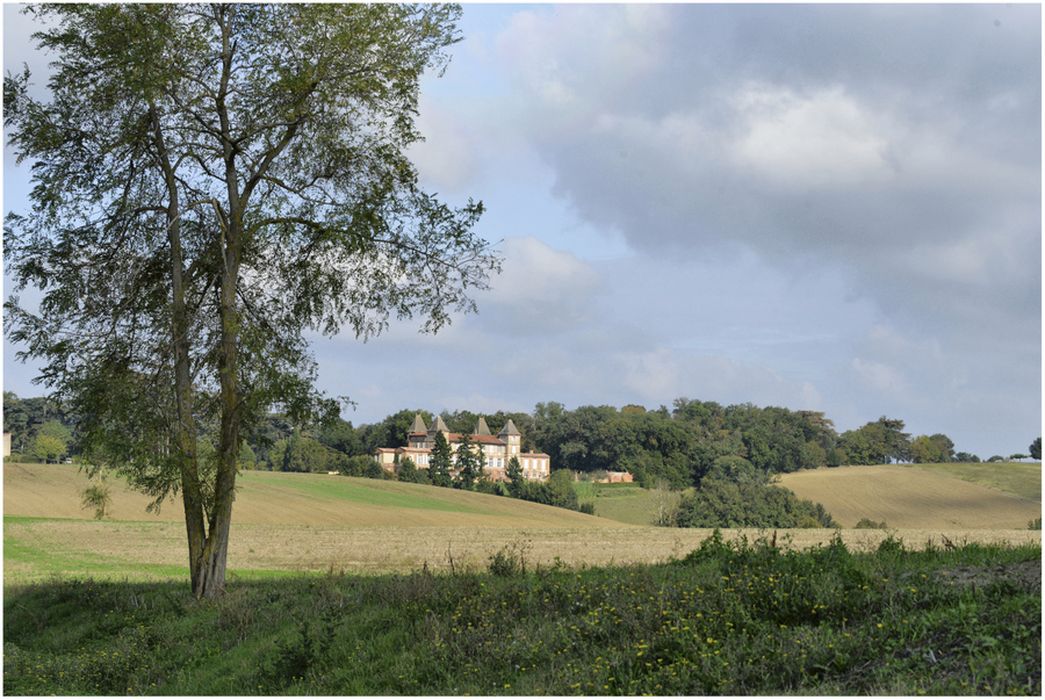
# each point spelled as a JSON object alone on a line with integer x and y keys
{"x": 960, "y": 496}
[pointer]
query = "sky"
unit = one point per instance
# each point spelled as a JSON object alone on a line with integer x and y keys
{"x": 833, "y": 208}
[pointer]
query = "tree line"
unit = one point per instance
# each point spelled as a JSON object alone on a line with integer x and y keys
{"x": 678, "y": 446}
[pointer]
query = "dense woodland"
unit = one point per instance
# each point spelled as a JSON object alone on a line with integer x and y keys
{"x": 677, "y": 446}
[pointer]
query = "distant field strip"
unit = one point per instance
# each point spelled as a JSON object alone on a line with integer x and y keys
{"x": 924, "y": 496}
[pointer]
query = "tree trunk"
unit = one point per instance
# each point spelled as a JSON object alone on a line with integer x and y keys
{"x": 210, "y": 581}
{"x": 185, "y": 429}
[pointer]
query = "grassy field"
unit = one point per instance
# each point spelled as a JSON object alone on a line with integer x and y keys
{"x": 626, "y": 503}
{"x": 970, "y": 496}
{"x": 734, "y": 620}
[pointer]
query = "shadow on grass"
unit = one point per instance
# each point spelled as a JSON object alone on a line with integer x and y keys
{"x": 730, "y": 618}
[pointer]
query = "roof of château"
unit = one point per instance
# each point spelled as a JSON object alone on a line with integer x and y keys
{"x": 419, "y": 427}
{"x": 477, "y": 439}
{"x": 440, "y": 425}
{"x": 509, "y": 429}
{"x": 481, "y": 428}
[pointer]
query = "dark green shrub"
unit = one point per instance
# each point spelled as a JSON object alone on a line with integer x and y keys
{"x": 868, "y": 524}
{"x": 722, "y": 503}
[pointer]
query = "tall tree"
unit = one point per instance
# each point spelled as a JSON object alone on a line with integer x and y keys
{"x": 211, "y": 181}
{"x": 469, "y": 463}
{"x": 1035, "y": 448}
{"x": 516, "y": 484}
{"x": 439, "y": 462}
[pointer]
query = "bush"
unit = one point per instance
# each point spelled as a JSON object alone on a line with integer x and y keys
{"x": 589, "y": 508}
{"x": 868, "y": 524}
{"x": 734, "y": 493}
{"x": 491, "y": 487}
{"x": 1034, "y": 524}
{"x": 356, "y": 466}
{"x": 99, "y": 497}
{"x": 510, "y": 560}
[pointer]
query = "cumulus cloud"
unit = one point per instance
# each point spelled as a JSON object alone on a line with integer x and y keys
{"x": 540, "y": 290}
{"x": 894, "y": 147}
{"x": 873, "y": 155}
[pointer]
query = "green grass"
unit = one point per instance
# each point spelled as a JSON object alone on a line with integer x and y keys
{"x": 25, "y": 562}
{"x": 1018, "y": 478}
{"x": 745, "y": 619}
{"x": 626, "y": 503}
{"x": 369, "y": 492}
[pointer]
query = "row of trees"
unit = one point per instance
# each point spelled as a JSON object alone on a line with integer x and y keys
{"x": 678, "y": 446}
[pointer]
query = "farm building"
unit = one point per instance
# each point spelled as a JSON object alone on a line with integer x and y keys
{"x": 496, "y": 450}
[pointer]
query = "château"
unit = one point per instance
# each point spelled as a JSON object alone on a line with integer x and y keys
{"x": 495, "y": 450}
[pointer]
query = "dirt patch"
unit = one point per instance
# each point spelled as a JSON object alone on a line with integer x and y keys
{"x": 1025, "y": 574}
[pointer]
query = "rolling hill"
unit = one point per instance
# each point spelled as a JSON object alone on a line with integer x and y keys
{"x": 984, "y": 496}
{"x": 274, "y": 498}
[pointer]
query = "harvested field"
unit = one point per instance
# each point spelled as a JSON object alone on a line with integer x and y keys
{"x": 40, "y": 548}
{"x": 289, "y": 523}
{"x": 912, "y": 496}
{"x": 1018, "y": 478}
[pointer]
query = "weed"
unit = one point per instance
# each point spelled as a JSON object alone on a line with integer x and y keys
{"x": 510, "y": 560}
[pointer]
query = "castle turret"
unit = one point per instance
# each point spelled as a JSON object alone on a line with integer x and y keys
{"x": 511, "y": 436}
{"x": 419, "y": 427}
{"x": 439, "y": 427}
{"x": 481, "y": 428}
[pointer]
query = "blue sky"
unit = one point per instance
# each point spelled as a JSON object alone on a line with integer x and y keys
{"x": 834, "y": 208}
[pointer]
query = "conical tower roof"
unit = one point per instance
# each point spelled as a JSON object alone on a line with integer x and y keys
{"x": 419, "y": 427}
{"x": 440, "y": 425}
{"x": 481, "y": 428}
{"x": 509, "y": 429}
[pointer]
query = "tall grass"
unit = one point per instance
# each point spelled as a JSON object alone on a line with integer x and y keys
{"x": 730, "y": 618}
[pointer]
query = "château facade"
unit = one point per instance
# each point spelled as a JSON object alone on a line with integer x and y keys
{"x": 495, "y": 450}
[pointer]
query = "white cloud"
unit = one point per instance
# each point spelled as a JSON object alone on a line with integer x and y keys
{"x": 824, "y": 139}
{"x": 539, "y": 291}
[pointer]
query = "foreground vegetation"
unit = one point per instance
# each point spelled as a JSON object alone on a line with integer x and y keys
{"x": 726, "y": 619}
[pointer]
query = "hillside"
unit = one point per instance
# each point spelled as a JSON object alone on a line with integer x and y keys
{"x": 925, "y": 496}
{"x": 273, "y": 498}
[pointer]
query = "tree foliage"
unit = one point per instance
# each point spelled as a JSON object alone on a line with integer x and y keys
{"x": 440, "y": 461}
{"x": 879, "y": 442}
{"x": 513, "y": 471}
{"x": 932, "y": 449}
{"x": 468, "y": 462}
